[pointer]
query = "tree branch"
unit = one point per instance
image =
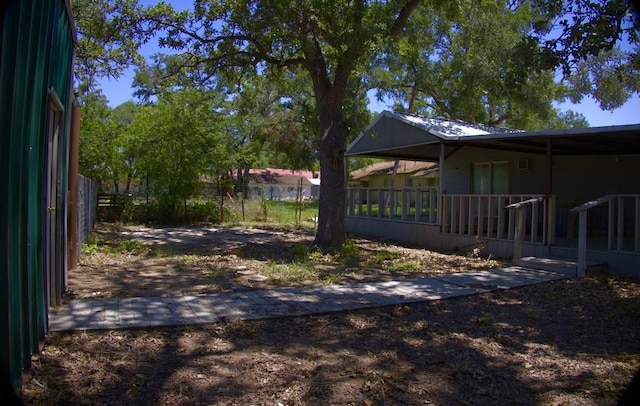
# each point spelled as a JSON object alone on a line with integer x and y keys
{"x": 403, "y": 17}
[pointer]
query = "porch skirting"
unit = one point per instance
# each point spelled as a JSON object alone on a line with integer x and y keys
{"x": 430, "y": 237}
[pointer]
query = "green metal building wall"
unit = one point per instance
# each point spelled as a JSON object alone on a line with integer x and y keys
{"x": 36, "y": 56}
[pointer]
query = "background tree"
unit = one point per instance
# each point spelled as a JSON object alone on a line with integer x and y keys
{"x": 180, "y": 138}
{"x": 98, "y": 150}
{"x": 593, "y": 46}
{"x": 478, "y": 66}
{"x": 127, "y": 146}
{"x": 109, "y": 36}
{"x": 261, "y": 126}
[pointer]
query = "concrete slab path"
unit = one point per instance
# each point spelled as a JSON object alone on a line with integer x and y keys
{"x": 88, "y": 314}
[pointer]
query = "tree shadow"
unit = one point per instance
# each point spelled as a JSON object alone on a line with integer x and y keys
{"x": 561, "y": 342}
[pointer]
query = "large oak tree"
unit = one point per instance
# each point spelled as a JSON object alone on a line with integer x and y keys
{"x": 332, "y": 41}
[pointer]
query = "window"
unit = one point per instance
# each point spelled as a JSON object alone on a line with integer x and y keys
{"x": 491, "y": 178}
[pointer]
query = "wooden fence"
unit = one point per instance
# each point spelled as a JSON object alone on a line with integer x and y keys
{"x": 110, "y": 206}
{"x": 87, "y": 205}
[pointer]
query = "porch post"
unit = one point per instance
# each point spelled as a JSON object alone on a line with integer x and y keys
{"x": 550, "y": 236}
{"x": 440, "y": 183}
{"x": 637, "y": 228}
{"x": 582, "y": 244}
{"x": 549, "y": 166}
{"x": 519, "y": 233}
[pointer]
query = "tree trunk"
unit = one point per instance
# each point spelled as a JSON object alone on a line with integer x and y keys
{"x": 245, "y": 182}
{"x": 331, "y": 231}
{"x": 128, "y": 185}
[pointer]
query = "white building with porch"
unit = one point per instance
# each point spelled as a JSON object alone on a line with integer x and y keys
{"x": 570, "y": 194}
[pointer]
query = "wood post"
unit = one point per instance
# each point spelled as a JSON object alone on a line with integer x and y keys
{"x": 582, "y": 244}
{"x": 519, "y": 232}
{"x": 73, "y": 254}
{"x": 620, "y": 236}
{"x": 637, "y": 228}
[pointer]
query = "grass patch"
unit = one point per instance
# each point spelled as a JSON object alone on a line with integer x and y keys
{"x": 161, "y": 252}
{"x": 331, "y": 279}
{"x": 383, "y": 256}
{"x": 282, "y": 213}
{"x": 349, "y": 254}
{"x": 290, "y": 273}
{"x": 403, "y": 266}
{"x": 135, "y": 247}
{"x": 188, "y": 259}
{"x": 484, "y": 319}
{"x": 629, "y": 307}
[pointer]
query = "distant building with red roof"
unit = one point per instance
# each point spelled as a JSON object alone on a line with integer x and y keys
{"x": 283, "y": 184}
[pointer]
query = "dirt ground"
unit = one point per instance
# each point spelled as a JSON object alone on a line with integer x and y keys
{"x": 570, "y": 342}
{"x": 191, "y": 261}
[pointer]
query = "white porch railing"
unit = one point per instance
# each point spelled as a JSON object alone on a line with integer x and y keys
{"x": 403, "y": 204}
{"x": 619, "y": 231}
{"x": 484, "y": 216}
{"x": 487, "y": 216}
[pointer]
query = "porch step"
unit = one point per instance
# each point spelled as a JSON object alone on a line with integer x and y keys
{"x": 559, "y": 265}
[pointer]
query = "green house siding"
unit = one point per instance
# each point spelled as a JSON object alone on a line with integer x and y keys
{"x": 36, "y": 57}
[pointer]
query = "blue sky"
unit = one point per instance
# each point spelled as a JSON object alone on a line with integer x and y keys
{"x": 119, "y": 91}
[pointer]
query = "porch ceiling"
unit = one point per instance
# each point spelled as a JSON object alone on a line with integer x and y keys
{"x": 402, "y": 136}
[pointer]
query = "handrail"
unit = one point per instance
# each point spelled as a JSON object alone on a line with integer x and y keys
{"x": 526, "y": 202}
{"x": 520, "y": 224}
{"x": 593, "y": 203}
{"x": 582, "y": 225}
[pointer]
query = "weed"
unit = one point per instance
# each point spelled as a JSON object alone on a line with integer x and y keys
{"x": 348, "y": 254}
{"x": 382, "y": 256}
{"x": 331, "y": 279}
{"x": 349, "y": 248}
{"x": 90, "y": 246}
{"x": 215, "y": 273}
{"x": 533, "y": 313}
{"x": 132, "y": 246}
{"x": 629, "y": 307}
{"x": 404, "y": 266}
{"x": 188, "y": 259}
{"x": 484, "y": 319}
{"x": 162, "y": 252}
{"x": 264, "y": 207}
{"x": 299, "y": 252}
{"x": 315, "y": 256}
{"x": 350, "y": 260}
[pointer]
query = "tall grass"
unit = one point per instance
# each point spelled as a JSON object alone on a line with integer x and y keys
{"x": 283, "y": 213}
{"x": 278, "y": 212}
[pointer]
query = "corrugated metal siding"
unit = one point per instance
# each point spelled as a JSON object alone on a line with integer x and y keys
{"x": 36, "y": 55}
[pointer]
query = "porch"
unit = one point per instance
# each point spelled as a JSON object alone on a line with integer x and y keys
{"x": 502, "y": 225}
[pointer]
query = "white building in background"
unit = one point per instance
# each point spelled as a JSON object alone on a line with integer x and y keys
{"x": 282, "y": 184}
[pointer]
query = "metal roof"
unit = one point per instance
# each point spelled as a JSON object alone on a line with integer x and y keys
{"x": 405, "y": 136}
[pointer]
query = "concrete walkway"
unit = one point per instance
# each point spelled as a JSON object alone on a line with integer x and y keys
{"x": 85, "y": 314}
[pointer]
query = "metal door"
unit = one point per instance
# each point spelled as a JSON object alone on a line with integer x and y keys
{"x": 53, "y": 270}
